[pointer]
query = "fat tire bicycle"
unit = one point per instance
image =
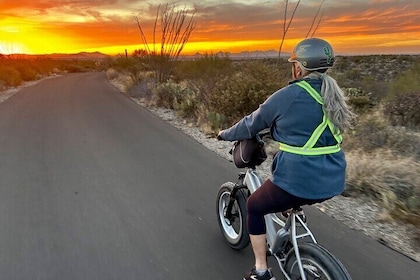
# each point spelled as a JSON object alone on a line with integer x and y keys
{"x": 289, "y": 240}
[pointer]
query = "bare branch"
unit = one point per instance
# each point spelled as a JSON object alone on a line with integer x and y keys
{"x": 316, "y": 28}
{"x": 286, "y": 26}
{"x": 313, "y": 21}
{"x": 143, "y": 37}
{"x": 154, "y": 28}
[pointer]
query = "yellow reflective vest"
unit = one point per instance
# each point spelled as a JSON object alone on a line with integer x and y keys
{"x": 308, "y": 149}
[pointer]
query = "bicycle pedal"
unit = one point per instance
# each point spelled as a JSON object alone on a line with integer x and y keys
{"x": 286, "y": 213}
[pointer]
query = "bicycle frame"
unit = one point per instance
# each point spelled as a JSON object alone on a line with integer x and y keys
{"x": 252, "y": 180}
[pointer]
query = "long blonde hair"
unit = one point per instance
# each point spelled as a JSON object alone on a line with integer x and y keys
{"x": 335, "y": 106}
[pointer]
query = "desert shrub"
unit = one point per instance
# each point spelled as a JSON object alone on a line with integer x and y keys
{"x": 359, "y": 100}
{"x": 368, "y": 133}
{"x": 347, "y": 77}
{"x": 377, "y": 89}
{"x": 26, "y": 69}
{"x": 125, "y": 63}
{"x": 73, "y": 68}
{"x": 407, "y": 83}
{"x": 14, "y": 71}
{"x": 133, "y": 66}
{"x": 353, "y": 75}
{"x": 341, "y": 64}
{"x": 244, "y": 90}
{"x": 374, "y": 132}
{"x": 10, "y": 76}
{"x": 44, "y": 66}
{"x": 164, "y": 94}
{"x": 79, "y": 66}
{"x": 186, "y": 101}
{"x": 173, "y": 95}
{"x": 85, "y": 65}
{"x": 215, "y": 120}
{"x": 208, "y": 66}
{"x": 403, "y": 141}
{"x": 27, "y": 73}
{"x": 202, "y": 75}
{"x": 404, "y": 110}
{"x": 112, "y": 74}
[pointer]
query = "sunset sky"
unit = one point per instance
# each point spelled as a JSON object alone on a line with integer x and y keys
{"x": 108, "y": 26}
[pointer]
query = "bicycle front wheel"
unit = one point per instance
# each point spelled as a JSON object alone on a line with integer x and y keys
{"x": 234, "y": 228}
{"x": 318, "y": 263}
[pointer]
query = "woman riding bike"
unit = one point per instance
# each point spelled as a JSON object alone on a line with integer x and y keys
{"x": 307, "y": 118}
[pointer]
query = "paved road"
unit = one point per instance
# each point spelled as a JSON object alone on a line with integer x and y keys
{"x": 93, "y": 186}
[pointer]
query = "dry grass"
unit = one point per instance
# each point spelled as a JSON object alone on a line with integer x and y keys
{"x": 120, "y": 80}
{"x": 390, "y": 179}
{"x": 383, "y": 164}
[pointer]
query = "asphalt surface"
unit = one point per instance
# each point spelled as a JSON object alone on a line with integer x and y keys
{"x": 92, "y": 186}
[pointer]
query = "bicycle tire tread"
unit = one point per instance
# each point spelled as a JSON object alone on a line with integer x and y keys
{"x": 323, "y": 257}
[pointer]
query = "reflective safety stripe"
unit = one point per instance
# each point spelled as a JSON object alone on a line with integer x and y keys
{"x": 309, "y": 149}
{"x": 310, "y": 152}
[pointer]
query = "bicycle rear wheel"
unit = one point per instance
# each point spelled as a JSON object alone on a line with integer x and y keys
{"x": 318, "y": 263}
{"x": 234, "y": 230}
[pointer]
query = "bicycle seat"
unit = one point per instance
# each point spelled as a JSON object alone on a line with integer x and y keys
{"x": 297, "y": 210}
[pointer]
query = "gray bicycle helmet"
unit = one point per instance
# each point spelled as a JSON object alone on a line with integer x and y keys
{"x": 313, "y": 54}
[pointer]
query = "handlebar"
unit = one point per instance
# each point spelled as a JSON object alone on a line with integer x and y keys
{"x": 260, "y": 136}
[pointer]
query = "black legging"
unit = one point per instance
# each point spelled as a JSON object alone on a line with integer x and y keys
{"x": 270, "y": 199}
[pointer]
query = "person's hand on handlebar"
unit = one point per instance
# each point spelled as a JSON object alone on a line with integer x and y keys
{"x": 219, "y": 137}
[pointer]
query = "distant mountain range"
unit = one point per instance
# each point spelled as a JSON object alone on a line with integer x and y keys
{"x": 78, "y": 56}
{"x": 99, "y": 55}
{"x": 81, "y": 55}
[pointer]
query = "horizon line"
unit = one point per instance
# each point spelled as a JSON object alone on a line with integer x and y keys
{"x": 272, "y": 51}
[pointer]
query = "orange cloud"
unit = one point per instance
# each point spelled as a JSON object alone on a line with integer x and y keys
{"x": 362, "y": 26}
